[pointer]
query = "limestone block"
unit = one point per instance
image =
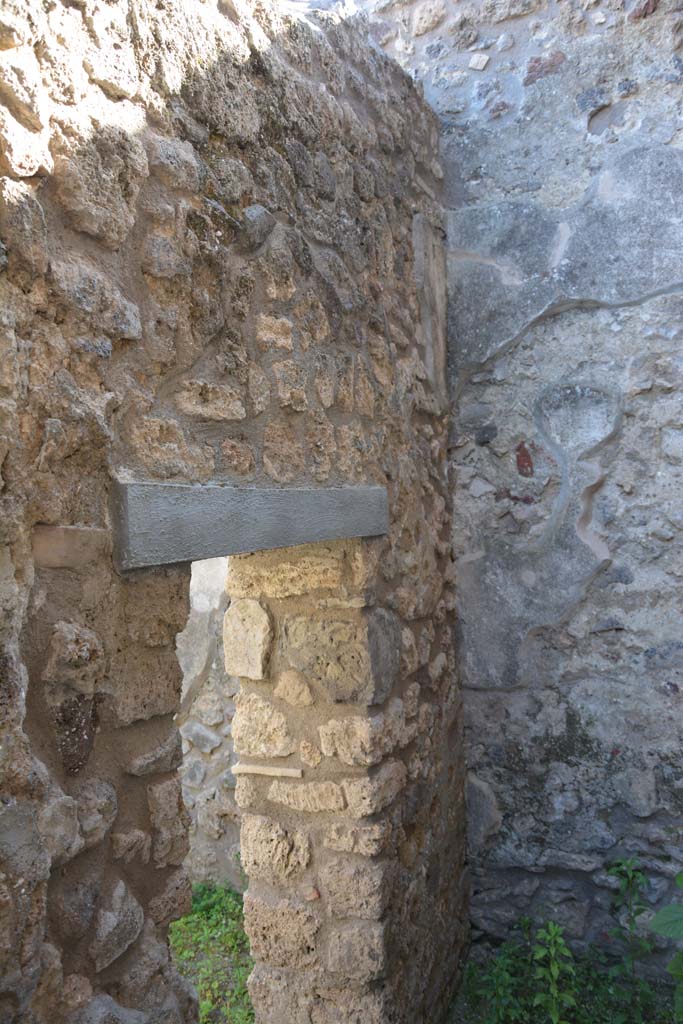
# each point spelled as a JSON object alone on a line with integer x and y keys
{"x": 368, "y": 840}
{"x": 292, "y": 687}
{"x": 290, "y": 380}
{"x": 357, "y": 950}
{"x": 409, "y": 657}
{"x": 158, "y": 678}
{"x": 283, "y": 454}
{"x": 273, "y": 332}
{"x": 194, "y": 771}
{"x": 287, "y": 572}
{"x": 281, "y": 934}
{"x": 75, "y": 906}
{"x": 215, "y": 808}
{"x": 237, "y": 455}
{"x": 174, "y": 901}
{"x": 68, "y": 547}
{"x": 58, "y": 825}
{"x": 161, "y": 447}
{"x": 247, "y": 792}
{"x": 173, "y": 161}
{"x": 203, "y": 400}
{"x": 170, "y": 822}
{"x": 259, "y": 729}
{"x": 311, "y": 797}
{"x": 257, "y": 226}
{"x": 638, "y": 789}
{"x": 247, "y": 636}
{"x": 411, "y": 700}
{"x": 21, "y": 849}
{"x": 269, "y": 851}
{"x": 672, "y": 444}
{"x": 365, "y": 741}
{"x": 355, "y": 890}
{"x": 97, "y": 810}
{"x": 21, "y": 88}
{"x": 75, "y": 661}
{"x": 201, "y": 736}
{"x": 162, "y": 256}
{"x": 373, "y": 794}
{"x": 354, "y": 659}
{"x": 280, "y": 995}
{"x": 98, "y": 178}
{"x": 427, "y": 16}
{"x": 259, "y": 390}
{"x": 310, "y": 754}
{"x": 87, "y": 289}
{"x": 22, "y": 225}
{"x": 126, "y": 846}
{"x": 299, "y": 998}
{"x": 483, "y": 813}
{"x": 117, "y": 926}
{"x": 23, "y": 153}
{"x": 164, "y": 758}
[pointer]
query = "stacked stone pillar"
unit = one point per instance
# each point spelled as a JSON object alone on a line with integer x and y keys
{"x": 332, "y": 733}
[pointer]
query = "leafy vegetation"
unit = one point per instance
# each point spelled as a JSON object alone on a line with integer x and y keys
{"x": 532, "y": 979}
{"x": 669, "y": 923}
{"x": 535, "y": 979}
{"x": 210, "y": 948}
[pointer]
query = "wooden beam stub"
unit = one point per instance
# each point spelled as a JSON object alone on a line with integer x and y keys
{"x": 160, "y": 524}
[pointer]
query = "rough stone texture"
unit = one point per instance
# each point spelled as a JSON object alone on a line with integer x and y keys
{"x": 259, "y": 729}
{"x": 563, "y": 171}
{"x": 117, "y": 926}
{"x": 207, "y": 711}
{"x": 247, "y": 636}
{"x": 269, "y": 851}
{"x": 219, "y": 262}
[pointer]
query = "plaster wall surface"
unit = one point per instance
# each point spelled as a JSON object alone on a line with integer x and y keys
{"x": 562, "y": 147}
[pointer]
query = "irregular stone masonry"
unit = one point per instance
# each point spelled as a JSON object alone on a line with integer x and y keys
{"x": 222, "y": 260}
{"x": 205, "y": 720}
{"x": 327, "y": 853}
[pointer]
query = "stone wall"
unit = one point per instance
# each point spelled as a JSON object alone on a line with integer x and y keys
{"x": 563, "y": 169}
{"x": 205, "y": 720}
{"x": 348, "y": 728}
{"x": 221, "y": 260}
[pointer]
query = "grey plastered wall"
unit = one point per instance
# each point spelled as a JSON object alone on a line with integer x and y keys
{"x": 561, "y": 144}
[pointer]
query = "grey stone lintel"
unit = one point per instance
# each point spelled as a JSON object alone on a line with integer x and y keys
{"x": 161, "y": 524}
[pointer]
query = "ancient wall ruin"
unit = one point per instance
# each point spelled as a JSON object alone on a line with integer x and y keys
{"x": 563, "y": 168}
{"x": 222, "y": 260}
{"x": 207, "y": 710}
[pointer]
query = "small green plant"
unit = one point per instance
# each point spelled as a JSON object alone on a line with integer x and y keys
{"x": 629, "y": 904}
{"x": 534, "y": 979}
{"x": 211, "y": 949}
{"x": 669, "y": 923}
{"x": 554, "y": 974}
{"x": 498, "y": 988}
